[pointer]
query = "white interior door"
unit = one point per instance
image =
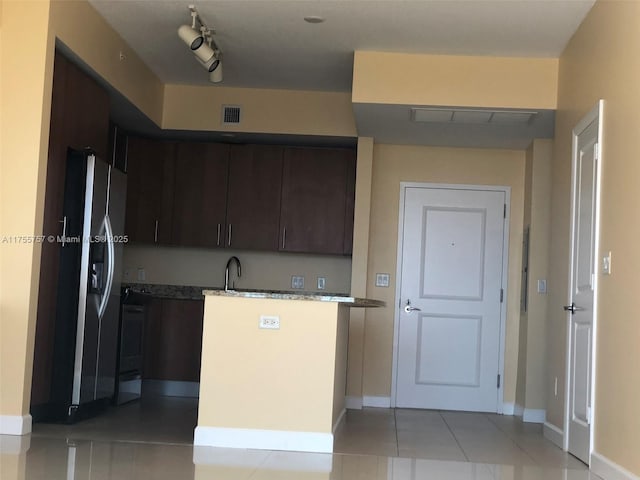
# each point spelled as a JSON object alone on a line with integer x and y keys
{"x": 580, "y": 309}
{"x": 448, "y": 350}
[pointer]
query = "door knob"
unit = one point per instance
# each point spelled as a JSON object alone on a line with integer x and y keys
{"x": 573, "y": 308}
{"x": 408, "y": 308}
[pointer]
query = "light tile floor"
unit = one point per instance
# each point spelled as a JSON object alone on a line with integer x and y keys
{"x": 152, "y": 440}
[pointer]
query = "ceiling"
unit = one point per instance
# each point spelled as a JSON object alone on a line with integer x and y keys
{"x": 267, "y": 44}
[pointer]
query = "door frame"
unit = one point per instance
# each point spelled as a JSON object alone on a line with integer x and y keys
{"x": 505, "y": 277}
{"x": 596, "y": 113}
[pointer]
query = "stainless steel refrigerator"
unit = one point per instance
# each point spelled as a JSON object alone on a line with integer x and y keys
{"x": 88, "y": 297}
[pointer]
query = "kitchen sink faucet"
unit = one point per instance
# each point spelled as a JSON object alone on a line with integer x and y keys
{"x": 226, "y": 272}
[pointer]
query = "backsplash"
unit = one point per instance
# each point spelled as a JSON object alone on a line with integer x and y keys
{"x": 260, "y": 270}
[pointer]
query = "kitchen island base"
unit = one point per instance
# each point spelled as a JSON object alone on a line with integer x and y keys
{"x": 272, "y": 388}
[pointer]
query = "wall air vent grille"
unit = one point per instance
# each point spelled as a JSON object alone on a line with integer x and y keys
{"x": 231, "y": 114}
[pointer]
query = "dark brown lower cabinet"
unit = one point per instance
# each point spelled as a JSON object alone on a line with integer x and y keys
{"x": 173, "y": 340}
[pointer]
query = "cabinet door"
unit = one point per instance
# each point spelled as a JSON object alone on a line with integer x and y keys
{"x": 87, "y": 104}
{"x": 314, "y": 192}
{"x": 149, "y": 190}
{"x": 173, "y": 340}
{"x": 253, "y": 205}
{"x": 200, "y": 201}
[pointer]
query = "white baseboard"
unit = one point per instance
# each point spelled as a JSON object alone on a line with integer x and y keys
{"x": 518, "y": 410}
{"x": 554, "y": 434}
{"x": 339, "y": 420}
{"x": 532, "y": 415}
{"x": 263, "y": 439}
{"x": 609, "y": 470}
{"x": 379, "y": 402}
{"x": 15, "y": 424}
{"x": 508, "y": 408}
{"x": 353, "y": 403}
{"x": 171, "y": 388}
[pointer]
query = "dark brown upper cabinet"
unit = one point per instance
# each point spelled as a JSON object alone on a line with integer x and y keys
{"x": 315, "y": 187}
{"x": 200, "y": 199}
{"x": 253, "y": 204}
{"x": 150, "y": 185}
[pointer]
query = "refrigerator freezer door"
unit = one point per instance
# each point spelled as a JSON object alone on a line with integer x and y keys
{"x": 88, "y": 327}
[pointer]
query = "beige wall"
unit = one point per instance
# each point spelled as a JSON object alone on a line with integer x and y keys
{"x": 601, "y": 61}
{"x": 263, "y": 110}
{"x": 412, "y": 79}
{"x": 531, "y": 385}
{"x": 289, "y": 386}
{"x": 393, "y": 164}
{"x": 260, "y": 270}
{"x": 25, "y": 105}
{"x": 359, "y": 263}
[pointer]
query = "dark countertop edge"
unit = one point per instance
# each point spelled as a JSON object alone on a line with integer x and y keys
{"x": 315, "y": 297}
{"x": 191, "y": 292}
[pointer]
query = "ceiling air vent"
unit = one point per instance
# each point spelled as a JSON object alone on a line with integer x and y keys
{"x": 231, "y": 114}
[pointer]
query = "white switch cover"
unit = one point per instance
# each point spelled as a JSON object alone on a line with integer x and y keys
{"x": 382, "y": 279}
{"x": 322, "y": 282}
{"x": 297, "y": 282}
{"x": 142, "y": 276}
{"x": 606, "y": 264}
{"x": 542, "y": 286}
{"x": 271, "y": 322}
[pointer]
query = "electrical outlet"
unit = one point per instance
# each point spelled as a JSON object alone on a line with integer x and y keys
{"x": 555, "y": 387}
{"x": 270, "y": 322}
{"x": 142, "y": 275}
{"x": 127, "y": 274}
{"x": 322, "y": 283}
{"x": 382, "y": 279}
{"x": 297, "y": 282}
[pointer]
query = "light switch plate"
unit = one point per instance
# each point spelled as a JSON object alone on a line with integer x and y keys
{"x": 382, "y": 279}
{"x": 142, "y": 275}
{"x": 542, "y": 286}
{"x": 322, "y": 283}
{"x": 606, "y": 264}
{"x": 297, "y": 282}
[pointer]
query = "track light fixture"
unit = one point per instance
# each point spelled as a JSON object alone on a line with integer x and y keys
{"x": 199, "y": 37}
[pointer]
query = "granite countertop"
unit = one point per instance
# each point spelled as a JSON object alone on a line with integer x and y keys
{"x": 288, "y": 295}
{"x": 188, "y": 292}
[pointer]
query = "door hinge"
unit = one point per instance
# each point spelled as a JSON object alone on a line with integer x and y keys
{"x": 498, "y": 384}
{"x": 596, "y": 150}
{"x": 501, "y": 295}
{"x": 589, "y": 415}
{"x": 504, "y": 212}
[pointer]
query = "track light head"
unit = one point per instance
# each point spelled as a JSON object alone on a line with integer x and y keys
{"x": 216, "y": 75}
{"x": 191, "y": 37}
{"x": 212, "y": 63}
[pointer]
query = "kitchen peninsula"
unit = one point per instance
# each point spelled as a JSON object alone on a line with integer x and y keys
{"x": 273, "y": 369}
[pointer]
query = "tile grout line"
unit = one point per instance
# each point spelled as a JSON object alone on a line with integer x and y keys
{"x": 454, "y": 436}
{"x": 515, "y": 442}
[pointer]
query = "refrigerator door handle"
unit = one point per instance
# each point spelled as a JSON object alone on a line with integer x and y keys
{"x": 110, "y": 265}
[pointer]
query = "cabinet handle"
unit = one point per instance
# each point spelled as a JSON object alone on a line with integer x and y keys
{"x": 218, "y": 241}
{"x": 284, "y": 237}
{"x": 64, "y": 229}
{"x": 155, "y": 233}
{"x": 229, "y": 241}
